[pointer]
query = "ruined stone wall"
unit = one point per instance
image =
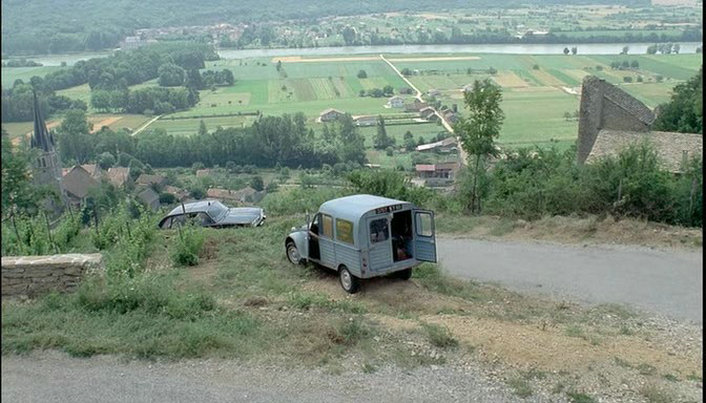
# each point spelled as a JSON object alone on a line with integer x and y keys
{"x": 33, "y": 275}
{"x": 605, "y": 106}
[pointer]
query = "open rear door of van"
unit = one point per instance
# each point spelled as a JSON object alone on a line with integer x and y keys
{"x": 424, "y": 236}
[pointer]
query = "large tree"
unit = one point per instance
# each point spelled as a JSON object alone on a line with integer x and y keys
{"x": 684, "y": 113}
{"x": 479, "y": 131}
{"x": 170, "y": 75}
{"x": 382, "y": 140}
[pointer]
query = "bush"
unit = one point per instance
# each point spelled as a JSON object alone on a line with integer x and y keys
{"x": 185, "y": 251}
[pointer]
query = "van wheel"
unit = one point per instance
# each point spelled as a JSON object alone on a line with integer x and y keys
{"x": 293, "y": 254}
{"x": 349, "y": 282}
{"x": 405, "y": 274}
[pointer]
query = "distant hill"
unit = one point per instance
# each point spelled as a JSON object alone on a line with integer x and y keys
{"x": 59, "y": 26}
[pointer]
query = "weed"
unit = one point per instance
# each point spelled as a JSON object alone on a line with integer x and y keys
{"x": 369, "y": 368}
{"x": 503, "y": 227}
{"x": 185, "y": 251}
{"x": 575, "y": 331}
{"x": 655, "y": 394}
{"x": 352, "y": 331}
{"x": 578, "y": 397}
{"x": 694, "y": 377}
{"x": 439, "y": 336}
{"x": 520, "y": 386}
{"x": 670, "y": 377}
{"x": 624, "y": 330}
{"x": 622, "y": 363}
{"x": 646, "y": 369}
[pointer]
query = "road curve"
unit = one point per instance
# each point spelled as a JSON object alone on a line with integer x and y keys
{"x": 447, "y": 126}
{"x": 661, "y": 282}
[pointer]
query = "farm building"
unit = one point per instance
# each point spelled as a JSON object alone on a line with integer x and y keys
{"x": 148, "y": 180}
{"x": 428, "y": 113}
{"x": 149, "y": 197}
{"x": 242, "y": 196}
{"x": 119, "y": 176}
{"x": 434, "y": 93}
{"x": 437, "y": 174}
{"x": 395, "y": 102}
{"x": 415, "y": 106}
{"x": 77, "y": 183}
{"x": 610, "y": 120}
{"x": 446, "y": 145}
{"x": 203, "y": 172}
{"x": 330, "y": 114}
{"x": 94, "y": 170}
{"x": 366, "y": 120}
{"x": 180, "y": 194}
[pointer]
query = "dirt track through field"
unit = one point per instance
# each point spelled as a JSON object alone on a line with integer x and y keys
{"x": 105, "y": 122}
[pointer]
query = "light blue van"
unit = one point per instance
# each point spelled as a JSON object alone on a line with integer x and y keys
{"x": 364, "y": 236}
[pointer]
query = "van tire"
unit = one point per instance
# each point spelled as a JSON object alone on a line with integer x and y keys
{"x": 349, "y": 282}
{"x": 405, "y": 274}
{"x": 293, "y": 254}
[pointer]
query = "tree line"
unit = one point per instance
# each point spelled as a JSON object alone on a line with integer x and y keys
{"x": 270, "y": 141}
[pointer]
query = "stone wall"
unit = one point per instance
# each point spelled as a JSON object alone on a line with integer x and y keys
{"x": 605, "y": 106}
{"x": 33, "y": 275}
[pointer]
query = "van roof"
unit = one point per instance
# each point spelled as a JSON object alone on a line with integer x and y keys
{"x": 353, "y": 207}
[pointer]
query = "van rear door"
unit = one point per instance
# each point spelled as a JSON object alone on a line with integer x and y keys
{"x": 424, "y": 237}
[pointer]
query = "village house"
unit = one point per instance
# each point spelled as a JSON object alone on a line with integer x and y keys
{"x": 395, "y": 102}
{"x": 151, "y": 180}
{"x": 434, "y": 93}
{"x": 77, "y": 183}
{"x": 119, "y": 176}
{"x": 202, "y": 172}
{"x": 366, "y": 120}
{"x": 94, "y": 170}
{"x": 330, "y": 115}
{"x": 415, "y": 106}
{"x": 440, "y": 174}
{"x": 149, "y": 197}
{"x": 243, "y": 196}
{"x": 450, "y": 116}
{"x": 428, "y": 113}
{"x": 610, "y": 120}
{"x": 444, "y": 146}
{"x": 180, "y": 194}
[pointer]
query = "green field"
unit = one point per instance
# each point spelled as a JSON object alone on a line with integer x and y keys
{"x": 537, "y": 91}
{"x": 10, "y": 74}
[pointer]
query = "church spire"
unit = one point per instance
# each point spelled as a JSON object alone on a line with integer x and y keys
{"x": 41, "y": 138}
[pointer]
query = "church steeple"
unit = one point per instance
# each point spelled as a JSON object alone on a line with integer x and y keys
{"x": 47, "y": 166}
{"x": 41, "y": 137}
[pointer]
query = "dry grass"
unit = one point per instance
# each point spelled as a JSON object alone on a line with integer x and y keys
{"x": 577, "y": 230}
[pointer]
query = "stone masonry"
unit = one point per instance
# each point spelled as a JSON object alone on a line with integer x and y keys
{"x": 33, "y": 275}
{"x": 605, "y": 106}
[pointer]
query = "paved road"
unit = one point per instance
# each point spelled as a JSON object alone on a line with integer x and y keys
{"x": 668, "y": 283}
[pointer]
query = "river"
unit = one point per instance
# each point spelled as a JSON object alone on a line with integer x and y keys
{"x": 525, "y": 49}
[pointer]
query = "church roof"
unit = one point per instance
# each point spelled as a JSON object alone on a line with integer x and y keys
{"x": 41, "y": 137}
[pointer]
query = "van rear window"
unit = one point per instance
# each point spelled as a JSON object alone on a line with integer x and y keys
{"x": 344, "y": 231}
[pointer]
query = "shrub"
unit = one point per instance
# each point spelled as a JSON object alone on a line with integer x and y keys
{"x": 185, "y": 251}
{"x": 439, "y": 336}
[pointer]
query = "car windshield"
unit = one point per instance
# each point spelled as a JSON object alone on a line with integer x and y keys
{"x": 217, "y": 211}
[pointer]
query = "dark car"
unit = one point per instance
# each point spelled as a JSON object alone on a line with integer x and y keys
{"x": 212, "y": 213}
